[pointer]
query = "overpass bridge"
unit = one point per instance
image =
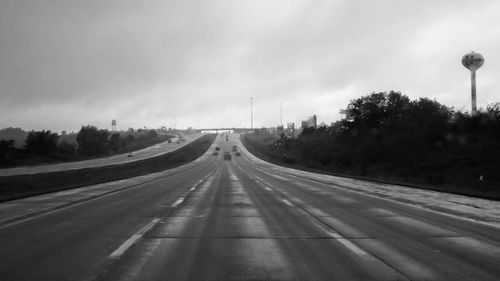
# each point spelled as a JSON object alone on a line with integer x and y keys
{"x": 224, "y": 130}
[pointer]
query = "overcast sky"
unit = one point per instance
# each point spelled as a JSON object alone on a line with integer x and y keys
{"x": 64, "y": 64}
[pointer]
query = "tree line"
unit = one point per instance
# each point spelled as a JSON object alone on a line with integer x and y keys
{"x": 90, "y": 141}
{"x": 387, "y": 135}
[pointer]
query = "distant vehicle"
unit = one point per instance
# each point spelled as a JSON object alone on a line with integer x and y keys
{"x": 178, "y": 142}
{"x": 217, "y": 148}
{"x": 237, "y": 153}
{"x": 169, "y": 141}
{"x": 215, "y": 153}
{"x": 131, "y": 154}
{"x": 227, "y": 156}
{"x": 235, "y": 148}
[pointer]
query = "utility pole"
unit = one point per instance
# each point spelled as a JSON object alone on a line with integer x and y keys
{"x": 251, "y": 114}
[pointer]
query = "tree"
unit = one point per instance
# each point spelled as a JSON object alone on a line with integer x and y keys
{"x": 92, "y": 141}
{"x": 7, "y": 148}
{"x": 114, "y": 142}
{"x": 152, "y": 134}
{"x": 41, "y": 142}
{"x": 66, "y": 148}
{"x": 129, "y": 139}
{"x": 377, "y": 111}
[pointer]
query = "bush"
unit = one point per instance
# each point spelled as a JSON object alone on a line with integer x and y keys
{"x": 7, "y": 149}
{"x": 92, "y": 141}
{"x": 41, "y": 142}
{"x": 115, "y": 142}
{"x": 66, "y": 148}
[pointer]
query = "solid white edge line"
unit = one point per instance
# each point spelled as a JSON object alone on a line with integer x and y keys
{"x": 124, "y": 247}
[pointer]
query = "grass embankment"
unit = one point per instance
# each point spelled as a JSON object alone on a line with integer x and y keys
{"x": 14, "y": 187}
{"x": 262, "y": 147}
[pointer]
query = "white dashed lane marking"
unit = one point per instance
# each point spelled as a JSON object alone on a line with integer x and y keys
{"x": 124, "y": 247}
{"x": 178, "y": 202}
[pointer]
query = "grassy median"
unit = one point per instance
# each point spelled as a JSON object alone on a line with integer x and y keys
{"x": 14, "y": 187}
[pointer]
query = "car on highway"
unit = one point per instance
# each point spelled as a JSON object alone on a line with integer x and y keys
{"x": 237, "y": 153}
{"x": 217, "y": 148}
{"x": 215, "y": 153}
{"x": 227, "y": 156}
{"x": 235, "y": 148}
{"x": 130, "y": 154}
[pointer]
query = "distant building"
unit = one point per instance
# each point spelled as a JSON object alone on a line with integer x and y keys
{"x": 311, "y": 122}
{"x": 290, "y": 129}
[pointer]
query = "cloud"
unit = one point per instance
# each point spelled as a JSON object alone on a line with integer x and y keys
{"x": 64, "y": 64}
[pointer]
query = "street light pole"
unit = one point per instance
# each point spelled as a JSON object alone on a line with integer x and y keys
{"x": 281, "y": 115}
{"x": 251, "y": 114}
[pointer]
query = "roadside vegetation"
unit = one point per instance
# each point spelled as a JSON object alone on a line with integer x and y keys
{"x": 390, "y": 138}
{"x": 13, "y": 187}
{"x": 90, "y": 142}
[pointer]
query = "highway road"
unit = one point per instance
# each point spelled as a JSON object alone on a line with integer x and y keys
{"x": 144, "y": 153}
{"x": 215, "y": 219}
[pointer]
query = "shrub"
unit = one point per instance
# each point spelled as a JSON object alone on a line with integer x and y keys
{"x": 41, "y": 142}
{"x": 92, "y": 141}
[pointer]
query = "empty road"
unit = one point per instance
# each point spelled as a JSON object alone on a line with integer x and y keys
{"x": 217, "y": 219}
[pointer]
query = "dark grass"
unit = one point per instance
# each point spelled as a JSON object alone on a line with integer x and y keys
{"x": 261, "y": 146}
{"x": 15, "y": 187}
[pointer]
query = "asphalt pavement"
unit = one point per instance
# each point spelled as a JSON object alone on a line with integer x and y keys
{"x": 238, "y": 219}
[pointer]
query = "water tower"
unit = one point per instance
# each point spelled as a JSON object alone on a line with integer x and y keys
{"x": 473, "y": 61}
